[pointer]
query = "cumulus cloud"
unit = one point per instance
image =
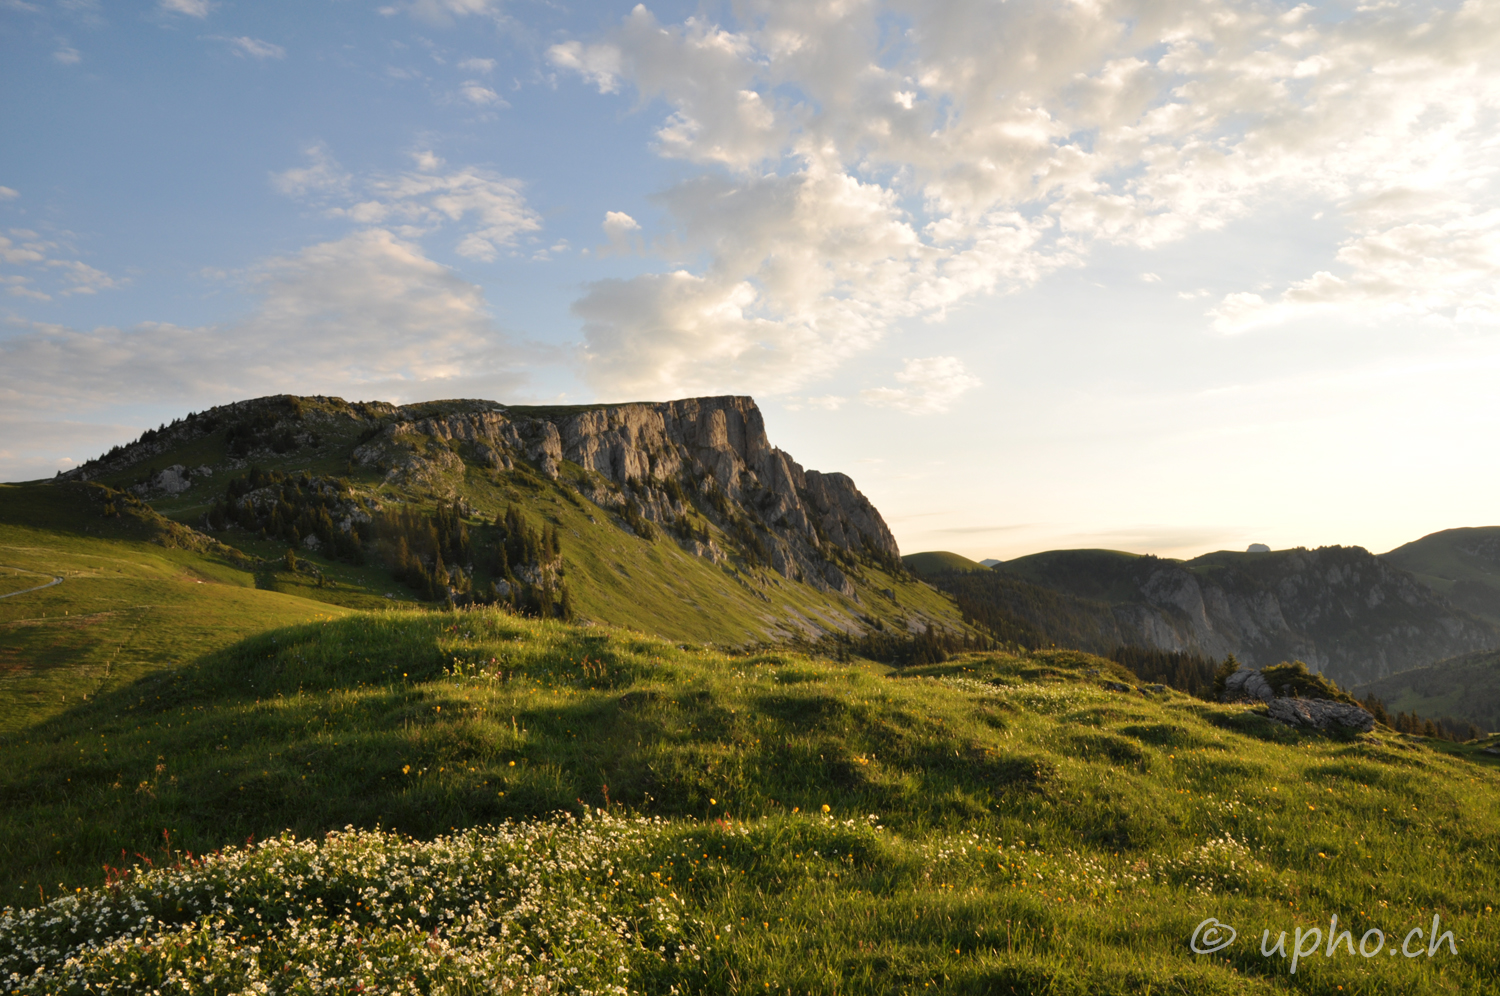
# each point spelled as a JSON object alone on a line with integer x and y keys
{"x": 67, "y": 55}
{"x": 491, "y": 208}
{"x": 367, "y": 314}
{"x": 929, "y": 386}
{"x": 7, "y": 194}
{"x": 848, "y": 184}
{"x": 619, "y": 227}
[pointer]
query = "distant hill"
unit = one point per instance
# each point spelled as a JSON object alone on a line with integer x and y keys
{"x": 939, "y": 562}
{"x": 1344, "y": 611}
{"x": 1465, "y": 688}
{"x": 1462, "y": 564}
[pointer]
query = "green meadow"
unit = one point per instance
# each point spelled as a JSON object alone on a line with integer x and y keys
{"x": 472, "y": 802}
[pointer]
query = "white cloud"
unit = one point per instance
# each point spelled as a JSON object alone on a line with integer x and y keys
{"x": 482, "y": 66}
{"x": 18, "y": 286}
{"x": 321, "y": 176}
{"x": 599, "y": 64}
{"x": 480, "y": 95}
{"x": 7, "y": 194}
{"x": 491, "y": 207}
{"x": 445, "y": 12}
{"x": 255, "y": 48}
{"x": 84, "y": 279}
{"x": 618, "y": 228}
{"x": 1446, "y": 270}
{"x": 48, "y": 256}
{"x": 67, "y": 55}
{"x": 190, "y": 8}
{"x": 932, "y": 386}
{"x": 850, "y": 184}
{"x": 367, "y": 314}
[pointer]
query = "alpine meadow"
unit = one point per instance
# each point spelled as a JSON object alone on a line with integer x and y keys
{"x": 807, "y": 499}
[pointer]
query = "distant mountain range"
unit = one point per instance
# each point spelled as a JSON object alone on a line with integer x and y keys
{"x": 1353, "y": 615}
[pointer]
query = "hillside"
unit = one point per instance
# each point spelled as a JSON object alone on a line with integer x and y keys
{"x": 939, "y": 562}
{"x": 733, "y": 823}
{"x": 677, "y": 519}
{"x": 1461, "y": 564}
{"x": 1465, "y": 688}
{"x": 1344, "y": 611}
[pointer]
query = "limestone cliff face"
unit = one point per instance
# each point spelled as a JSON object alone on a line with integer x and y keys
{"x": 709, "y": 456}
{"x": 1340, "y": 609}
{"x": 714, "y": 445}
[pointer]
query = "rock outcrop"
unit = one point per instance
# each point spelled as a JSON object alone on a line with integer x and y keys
{"x": 1294, "y": 709}
{"x": 1320, "y": 714}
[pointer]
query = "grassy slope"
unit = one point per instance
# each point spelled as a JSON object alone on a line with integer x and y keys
{"x": 939, "y": 561}
{"x": 1043, "y": 834}
{"x": 1098, "y": 575}
{"x": 126, "y": 605}
{"x": 1466, "y": 687}
{"x": 1440, "y": 560}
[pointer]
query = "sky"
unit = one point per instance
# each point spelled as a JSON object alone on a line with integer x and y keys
{"x": 1167, "y": 277}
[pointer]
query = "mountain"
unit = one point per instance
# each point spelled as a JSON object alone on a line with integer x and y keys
{"x": 1464, "y": 688}
{"x": 678, "y": 519}
{"x": 1350, "y": 614}
{"x": 1462, "y": 564}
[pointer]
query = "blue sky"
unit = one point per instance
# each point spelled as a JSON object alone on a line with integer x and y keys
{"x": 1158, "y": 277}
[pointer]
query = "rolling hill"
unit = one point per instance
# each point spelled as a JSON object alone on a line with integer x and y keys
{"x": 1465, "y": 688}
{"x": 467, "y": 800}
{"x": 1462, "y": 564}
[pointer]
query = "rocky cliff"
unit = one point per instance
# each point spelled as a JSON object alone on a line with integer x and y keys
{"x": 717, "y": 446}
{"x": 664, "y": 462}
{"x": 1342, "y": 610}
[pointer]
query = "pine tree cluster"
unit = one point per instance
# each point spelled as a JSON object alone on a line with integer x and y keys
{"x": 419, "y": 550}
{"x": 1440, "y": 728}
{"x": 1185, "y": 672}
{"x": 295, "y": 508}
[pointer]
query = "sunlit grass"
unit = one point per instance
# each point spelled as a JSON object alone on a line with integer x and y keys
{"x": 997, "y": 823}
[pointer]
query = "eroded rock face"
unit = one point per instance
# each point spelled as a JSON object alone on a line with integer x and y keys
{"x": 705, "y": 444}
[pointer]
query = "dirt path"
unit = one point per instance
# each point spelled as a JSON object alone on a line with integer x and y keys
{"x": 39, "y": 587}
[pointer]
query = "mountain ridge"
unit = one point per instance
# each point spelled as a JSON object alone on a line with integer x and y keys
{"x": 1343, "y": 610}
{"x": 796, "y": 552}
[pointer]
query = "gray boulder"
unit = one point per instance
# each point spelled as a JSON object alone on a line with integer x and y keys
{"x": 1321, "y": 714}
{"x": 1247, "y": 683}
